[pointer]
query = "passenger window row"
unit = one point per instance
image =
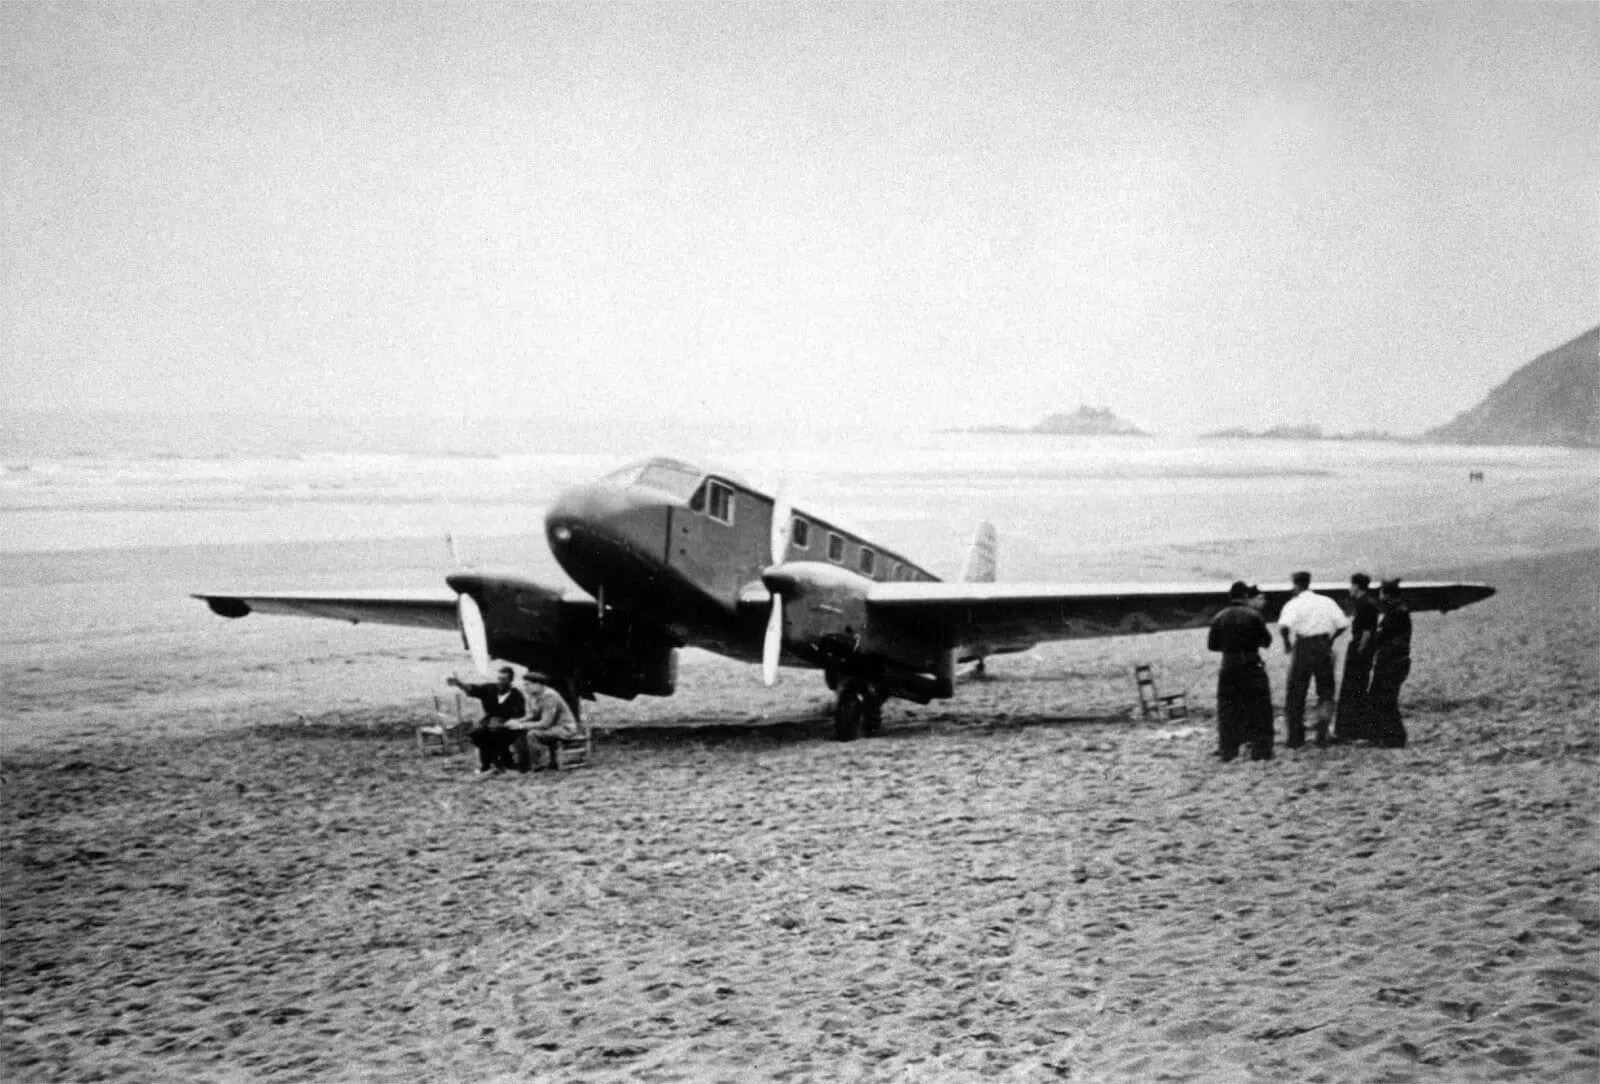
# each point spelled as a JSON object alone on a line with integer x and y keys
{"x": 716, "y": 499}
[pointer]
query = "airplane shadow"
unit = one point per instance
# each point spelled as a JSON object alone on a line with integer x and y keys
{"x": 795, "y": 728}
{"x": 787, "y": 730}
{"x": 809, "y": 728}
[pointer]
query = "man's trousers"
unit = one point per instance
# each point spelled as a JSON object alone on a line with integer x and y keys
{"x": 494, "y": 747}
{"x": 1244, "y": 710}
{"x": 1312, "y": 659}
{"x": 1353, "y": 722}
{"x": 1383, "y": 701}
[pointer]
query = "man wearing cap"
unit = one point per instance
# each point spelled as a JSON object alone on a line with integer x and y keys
{"x": 550, "y": 721}
{"x": 1310, "y": 623}
{"x": 1352, "y": 716}
{"x": 1391, "y": 665}
{"x": 493, "y": 735}
{"x": 1244, "y": 695}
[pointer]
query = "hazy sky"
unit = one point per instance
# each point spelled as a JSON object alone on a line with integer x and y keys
{"x": 1199, "y": 215}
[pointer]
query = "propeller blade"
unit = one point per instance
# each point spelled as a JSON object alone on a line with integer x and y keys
{"x": 782, "y": 521}
{"x": 473, "y": 634}
{"x": 773, "y": 645}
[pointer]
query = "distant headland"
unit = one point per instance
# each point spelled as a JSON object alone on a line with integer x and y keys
{"x": 1554, "y": 399}
{"x": 1086, "y": 421}
{"x": 1300, "y": 432}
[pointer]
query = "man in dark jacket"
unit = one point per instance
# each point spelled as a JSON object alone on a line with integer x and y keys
{"x": 1244, "y": 695}
{"x": 1391, "y": 665}
{"x": 502, "y": 702}
{"x": 1352, "y": 720}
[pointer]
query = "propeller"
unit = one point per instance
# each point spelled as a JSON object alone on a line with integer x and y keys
{"x": 470, "y": 618}
{"x": 772, "y": 647}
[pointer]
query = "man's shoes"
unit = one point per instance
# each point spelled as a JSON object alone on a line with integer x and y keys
{"x": 481, "y": 774}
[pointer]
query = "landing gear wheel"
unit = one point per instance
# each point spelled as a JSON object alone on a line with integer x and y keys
{"x": 831, "y": 678}
{"x": 872, "y": 714}
{"x": 848, "y": 713}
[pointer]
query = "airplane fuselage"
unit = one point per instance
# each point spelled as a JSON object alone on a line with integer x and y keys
{"x": 685, "y": 550}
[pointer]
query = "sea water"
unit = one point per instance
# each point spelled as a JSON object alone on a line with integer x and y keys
{"x": 106, "y": 482}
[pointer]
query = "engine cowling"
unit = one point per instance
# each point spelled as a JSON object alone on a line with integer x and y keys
{"x": 824, "y": 609}
{"x": 533, "y": 625}
{"x": 825, "y": 620}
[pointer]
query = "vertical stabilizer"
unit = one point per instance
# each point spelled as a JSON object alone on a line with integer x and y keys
{"x": 981, "y": 558}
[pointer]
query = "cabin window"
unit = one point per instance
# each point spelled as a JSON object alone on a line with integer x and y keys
{"x": 897, "y": 571}
{"x": 835, "y": 548}
{"x": 697, "y": 503}
{"x": 800, "y": 534}
{"x": 867, "y": 561}
{"x": 719, "y": 502}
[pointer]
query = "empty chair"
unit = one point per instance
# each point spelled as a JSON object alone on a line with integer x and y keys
{"x": 448, "y": 730}
{"x": 1152, "y": 702}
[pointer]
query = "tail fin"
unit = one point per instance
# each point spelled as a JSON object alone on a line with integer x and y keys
{"x": 981, "y": 563}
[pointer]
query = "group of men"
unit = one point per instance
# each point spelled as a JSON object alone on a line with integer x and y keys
{"x": 1376, "y": 664}
{"x": 520, "y": 732}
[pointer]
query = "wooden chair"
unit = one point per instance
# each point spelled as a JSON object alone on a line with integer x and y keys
{"x": 1152, "y": 702}
{"x": 448, "y": 730}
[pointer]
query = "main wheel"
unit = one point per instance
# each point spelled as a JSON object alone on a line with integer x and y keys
{"x": 871, "y": 715}
{"x": 830, "y": 677}
{"x": 848, "y": 713}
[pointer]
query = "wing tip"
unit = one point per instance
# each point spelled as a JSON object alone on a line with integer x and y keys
{"x": 225, "y": 605}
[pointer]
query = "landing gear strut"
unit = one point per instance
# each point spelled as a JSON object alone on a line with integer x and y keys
{"x": 858, "y": 711}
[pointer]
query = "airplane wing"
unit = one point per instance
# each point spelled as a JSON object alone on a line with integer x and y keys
{"x": 1010, "y": 615}
{"x": 430, "y": 609}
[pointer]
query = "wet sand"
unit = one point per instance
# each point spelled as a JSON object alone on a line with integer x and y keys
{"x": 1023, "y": 883}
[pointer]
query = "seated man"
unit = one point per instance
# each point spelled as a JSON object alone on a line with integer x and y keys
{"x": 550, "y": 720}
{"x": 493, "y": 736}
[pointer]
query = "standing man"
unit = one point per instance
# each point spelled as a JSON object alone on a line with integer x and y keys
{"x": 1244, "y": 695}
{"x": 1352, "y": 717}
{"x": 501, "y": 704}
{"x": 1313, "y": 621}
{"x": 1391, "y": 664}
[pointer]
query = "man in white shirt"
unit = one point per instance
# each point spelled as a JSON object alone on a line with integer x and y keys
{"x": 1310, "y": 623}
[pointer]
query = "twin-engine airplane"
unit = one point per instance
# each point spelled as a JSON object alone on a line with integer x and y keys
{"x": 671, "y": 555}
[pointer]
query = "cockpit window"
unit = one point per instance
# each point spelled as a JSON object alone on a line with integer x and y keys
{"x": 671, "y": 478}
{"x": 719, "y": 502}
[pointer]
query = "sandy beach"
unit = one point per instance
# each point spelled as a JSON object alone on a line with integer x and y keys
{"x": 252, "y": 873}
{"x": 632, "y": 320}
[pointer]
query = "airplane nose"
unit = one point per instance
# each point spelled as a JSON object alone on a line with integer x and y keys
{"x": 597, "y": 521}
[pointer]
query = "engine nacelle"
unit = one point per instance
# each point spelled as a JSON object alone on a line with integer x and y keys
{"x": 531, "y": 624}
{"x": 824, "y": 608}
